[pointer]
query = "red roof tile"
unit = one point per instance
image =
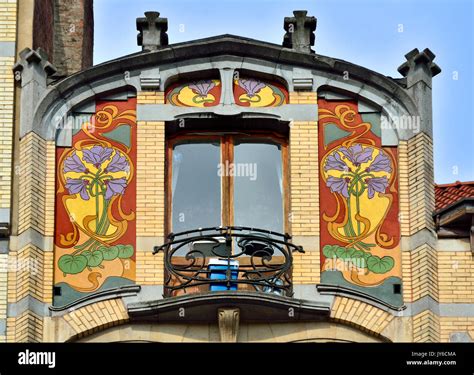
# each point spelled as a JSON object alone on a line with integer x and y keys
{"x": 447, "y": 194}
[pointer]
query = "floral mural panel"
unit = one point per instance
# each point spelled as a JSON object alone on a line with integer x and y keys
{"x": 95, "y": 233}
{"x": 251, "y": 92}
{"x": 360, "y": 231}
{"x": 203, "y": 93}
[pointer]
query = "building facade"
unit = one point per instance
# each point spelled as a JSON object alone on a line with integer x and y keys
{"x": 223, "y": 189}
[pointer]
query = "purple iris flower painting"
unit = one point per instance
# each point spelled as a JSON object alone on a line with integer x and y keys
{"x": 97, "y": 155}
{"x": 74, "y": 164}
{"x": 115, "y": 186}
{"x": 376, "y": 184}
{"x": 381, "y": 163}
{"x": 251, "y": 86}
{"x": 101, "y": 183}
{"x": 118, "y": 163}
{"x": 364, "y": 180}
{"x": 356, "y": 154}
{"x": 78, "y": 186}
{"x": 339, "y": 185}
{"x": 335, "y": 162}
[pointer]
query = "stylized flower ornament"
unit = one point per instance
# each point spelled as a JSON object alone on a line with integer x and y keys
{"x": 74, "y": 164}
{"x": 335, "y": 162}
{"x": 115, "y": 186}
{"x": 251, "y": 86}
{"x": 376, "y": 184}
{"x": 202, "y": 88}
{"x": 118, "y": 163}
{"x": 381, "y": 163}
{"x": 78, "y": 186}
{"x": 356, "y": 154}
{"x": 339, "y": 185}
{"x": 97, "y": 155}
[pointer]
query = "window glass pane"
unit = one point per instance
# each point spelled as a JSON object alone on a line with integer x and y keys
{"x": 258, "y": 186}
{"x": 196, "y": 186}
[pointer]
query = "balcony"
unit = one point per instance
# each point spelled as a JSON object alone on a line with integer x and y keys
{"x": 227, "y": 259}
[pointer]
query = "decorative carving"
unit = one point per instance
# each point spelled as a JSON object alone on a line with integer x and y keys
{"x": 152, "y": 31}
{"x": 300, "y": 32}
{"x": 229, "y": 319}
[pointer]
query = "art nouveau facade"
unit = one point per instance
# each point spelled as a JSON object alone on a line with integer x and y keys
{"x": 228, "y": 189}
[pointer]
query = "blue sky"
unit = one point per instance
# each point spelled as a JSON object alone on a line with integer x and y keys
{"x": 365, "y": 32}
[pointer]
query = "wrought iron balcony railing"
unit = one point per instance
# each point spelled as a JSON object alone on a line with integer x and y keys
{"x": 228, "y": 258}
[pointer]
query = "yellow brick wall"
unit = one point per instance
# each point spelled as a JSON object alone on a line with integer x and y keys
{"x": 150, "y": 178}
{"x": 8, "y": 10}
{"x": 306, "y": 268}
{"x": 6, "y": 128}
{"x": 150, "y": 97}
{"x": 3, "y": 285}
{"x": 456, "y": 277}
{"x": 449, "y": 325}
{"x": 96, "y": 317}
{"x": 426, "y": 327}
{"x": 36, "y": 184}
{"x": 304, "y": 179}
{"x": 303, "y": 97}
{"x": 150, "y": 268}
{"x": 359, "y": 314}
{"x": 28, "y": 327}
{"x": 8, "y": 17}
{"x": 420, "y": 272}
{"x": 30, "y": 274}
{"x": 416, "y": 184}
{"x": 304, "y": 190}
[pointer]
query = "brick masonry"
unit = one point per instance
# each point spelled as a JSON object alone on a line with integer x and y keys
{"x": 96, "y": 317}
{"x": 304, "y": 191}
{"x": 361, "y": 315}
{"x": 416, "y": 184}
{"x": 6, "y": 129}
{"x": 150, "y": 179}
{"x": 150, "y": 268}
{"x": 150, "y": 97}
{"x": 73, "y": 35}
{"x": 36, "y": 170}
{"x": 426, "y": 327}
{"x": 8, "y": 11}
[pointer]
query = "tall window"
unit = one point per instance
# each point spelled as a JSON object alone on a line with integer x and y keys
{"x": 227, "y": 180}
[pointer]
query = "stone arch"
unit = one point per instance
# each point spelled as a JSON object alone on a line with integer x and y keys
{"x": 89, "y": 319}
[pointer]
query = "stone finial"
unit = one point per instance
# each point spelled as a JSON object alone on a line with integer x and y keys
{"x": 299, "y": 31}
{"x": 32, "y": 72}
{"x": 33, "y": 65}
{"x": 152, "y": 31}
{"x": 419, "y": 67}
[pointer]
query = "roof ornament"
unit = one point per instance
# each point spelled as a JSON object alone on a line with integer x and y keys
{"x": 152, "y": 31}
{"x": 300, "y": 31}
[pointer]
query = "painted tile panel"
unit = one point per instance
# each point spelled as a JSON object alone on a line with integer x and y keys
{"x": 359, "y": 208}
{"x": 95, "y": 235}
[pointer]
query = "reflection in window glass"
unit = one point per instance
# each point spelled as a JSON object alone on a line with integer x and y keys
{"x": 258, "y": 186}
{"x": 196, "y": 186}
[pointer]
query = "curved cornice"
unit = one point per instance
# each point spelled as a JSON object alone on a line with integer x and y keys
{"x": 223, "y": 45}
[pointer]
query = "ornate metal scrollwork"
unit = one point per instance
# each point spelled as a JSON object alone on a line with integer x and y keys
{"x": 249, "y": 259}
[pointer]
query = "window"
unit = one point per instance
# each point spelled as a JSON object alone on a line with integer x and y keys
{"x": 237, "y": 179}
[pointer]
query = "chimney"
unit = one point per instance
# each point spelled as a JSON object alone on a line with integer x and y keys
{"x": 73, "y": 28}
{"x": 152, "y": 31}
{"x": 299, "y": 32}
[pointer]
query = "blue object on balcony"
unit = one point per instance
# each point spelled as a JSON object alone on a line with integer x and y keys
{"x": 219, "y": 269}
